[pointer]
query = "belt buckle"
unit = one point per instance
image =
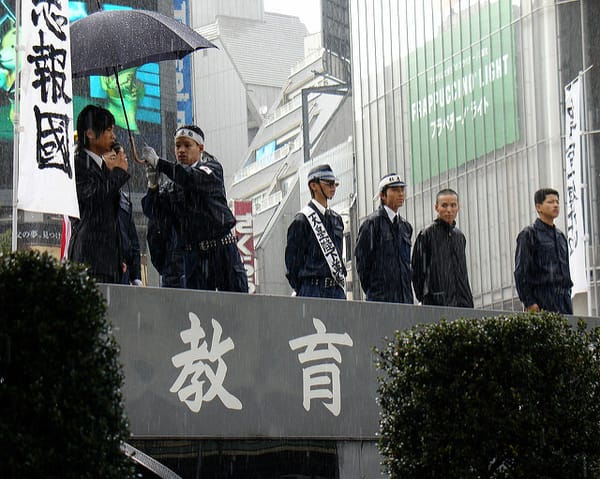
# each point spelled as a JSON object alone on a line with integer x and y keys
{"x": 204, "y": 245}
{"x": 329, "y": 283}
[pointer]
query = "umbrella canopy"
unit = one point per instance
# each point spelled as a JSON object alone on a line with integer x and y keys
{"x": 119, "y": 39}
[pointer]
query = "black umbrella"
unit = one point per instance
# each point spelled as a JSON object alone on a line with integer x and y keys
{"x": 108, "y": 41}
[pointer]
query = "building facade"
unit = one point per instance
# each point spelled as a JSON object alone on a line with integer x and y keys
{"x": 273, "y": 175}
{"x": 235, "y": 85}
{"x": 470, "y": 95}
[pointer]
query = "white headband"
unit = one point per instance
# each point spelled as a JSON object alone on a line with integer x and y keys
{"x": 186, "y": 132}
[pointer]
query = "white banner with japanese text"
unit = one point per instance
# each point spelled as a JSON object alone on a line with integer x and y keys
{"x": 45, "y": 147}
{"x": 574, "y": 185}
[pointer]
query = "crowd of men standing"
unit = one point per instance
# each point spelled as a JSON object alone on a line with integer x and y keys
{"x": 192, "y": 246}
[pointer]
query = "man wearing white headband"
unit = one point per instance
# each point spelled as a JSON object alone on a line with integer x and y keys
{"x": 190, "y": 238}
{"x": 383, "y": 247}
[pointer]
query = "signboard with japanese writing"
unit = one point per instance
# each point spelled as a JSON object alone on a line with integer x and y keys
{"x": 244, "y": 231}
{"x": 183, "y": 71}
{"x": 335, "y": 30}
{"x": 208, "y": 364}
{"x": 46, "y": 173}
{"x": 462, "y": 91}
{"x": 574, "y": 187}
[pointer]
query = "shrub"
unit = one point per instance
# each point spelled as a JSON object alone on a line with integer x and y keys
{"x": 513, "y": 396}
{"x": 60, "y": 379}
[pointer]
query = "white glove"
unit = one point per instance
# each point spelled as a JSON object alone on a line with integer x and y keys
{"x": 138, "y": 282}
{"x": 152, "y": 176}
{"x": 149, "y": 156}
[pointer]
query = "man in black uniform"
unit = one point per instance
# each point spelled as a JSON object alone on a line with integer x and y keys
{"x": 313, "y": 255}
{"x": 542, "y": 274}
{"x": 439, "y": 261}
{"x": 100, "y": 175}
{"x": 383, "y": 247}
{"x": 193, "y": 207}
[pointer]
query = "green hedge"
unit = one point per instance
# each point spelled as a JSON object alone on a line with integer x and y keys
{"x": 506, "y": 397}
{"x": 60, "y": 379}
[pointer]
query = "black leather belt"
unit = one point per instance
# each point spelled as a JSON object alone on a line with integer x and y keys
{"x": 328, "y": 282}
{"x": 206, "y": 245}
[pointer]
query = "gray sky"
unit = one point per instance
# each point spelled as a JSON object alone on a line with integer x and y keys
{"x": 309, "y": 11}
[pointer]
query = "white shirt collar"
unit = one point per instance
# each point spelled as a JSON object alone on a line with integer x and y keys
{"x": 390, "y": 213}
{"x": 98, "y": 159}
{"x": 319, "y": 206}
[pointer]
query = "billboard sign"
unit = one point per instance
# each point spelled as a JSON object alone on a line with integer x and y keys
{"x": 463, "y": 91}
{"x": 244, "y": 230}
{"x": 183, "y": 71}
{"x": 335, "y": 29}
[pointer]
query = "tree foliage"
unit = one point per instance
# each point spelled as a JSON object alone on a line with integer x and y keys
{"x": 505, "y": 397}
{"x": 60, "y": 379}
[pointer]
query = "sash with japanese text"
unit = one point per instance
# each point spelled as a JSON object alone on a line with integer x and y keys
{"x": 326, "y": 244}
{"x": 45, "y": 147}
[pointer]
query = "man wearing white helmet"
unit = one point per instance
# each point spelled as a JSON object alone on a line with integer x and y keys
{"x": 383, "y": 247}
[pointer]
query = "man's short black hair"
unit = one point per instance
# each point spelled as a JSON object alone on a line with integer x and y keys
{"x": 540, "y": 195}
{"x": 92, "y": 117}
{"x": 445, "y": 191}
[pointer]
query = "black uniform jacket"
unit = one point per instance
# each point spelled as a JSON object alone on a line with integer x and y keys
{"x": 440, "y": 266}
{"x": 95, "y": 235}
{"x": 303, "y": 255}
{"x": 541, "y": 264}
{"x": 187, "y": 208}
{"x": 193, "y": 201}
{"x": 383, "y": 258}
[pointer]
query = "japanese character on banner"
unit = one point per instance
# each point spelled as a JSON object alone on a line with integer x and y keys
{"x": 45, "y": 153}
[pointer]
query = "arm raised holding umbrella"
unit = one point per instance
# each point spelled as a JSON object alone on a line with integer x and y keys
{"x": 191, "y": 205}
{"x": 109, "y": 41}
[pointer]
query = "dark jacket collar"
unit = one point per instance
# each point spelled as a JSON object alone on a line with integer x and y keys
{"x": 539, "y": 224}
{"x": 442, "y": 224}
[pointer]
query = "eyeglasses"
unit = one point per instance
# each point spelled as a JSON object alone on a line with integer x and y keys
{"x": 330, "y": 183}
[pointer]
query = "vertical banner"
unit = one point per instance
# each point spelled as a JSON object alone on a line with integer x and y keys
{"x": 574, "y": 184}
{"x": 183, "y": 68}
{"x": 46, "y": 174}
{"x": 244, "y": 230}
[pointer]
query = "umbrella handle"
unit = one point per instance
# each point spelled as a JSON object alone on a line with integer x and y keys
{"x": 133, "y": 149}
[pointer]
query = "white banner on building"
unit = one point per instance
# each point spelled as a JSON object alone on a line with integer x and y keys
{"x": 46, "y": 172}
{"x": 574, "y": 185}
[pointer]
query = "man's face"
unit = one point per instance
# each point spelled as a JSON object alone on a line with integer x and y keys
{"x": 187, "y": 150}
{"x": 102, "y": 143}
{"x": 447, "y": 208}
{"x": 549, "y": 209}
{"x": 393, "y": 197}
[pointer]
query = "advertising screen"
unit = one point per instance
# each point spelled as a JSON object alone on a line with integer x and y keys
{"x": 140, "y": 87}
